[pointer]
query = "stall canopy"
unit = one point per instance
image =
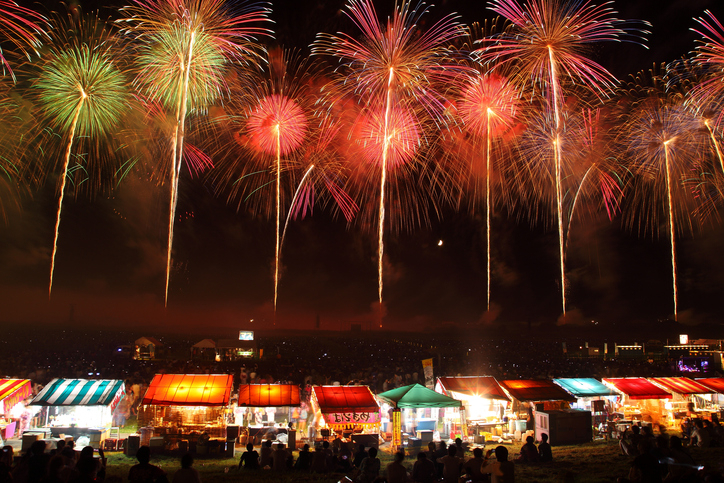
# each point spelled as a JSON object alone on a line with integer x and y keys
{"x": 205, "y": 344}
{"x": 12, "y": 391}
{"x": 585, "y": 387}
{"x": 476, "y": 386}
{"x": 682, "y": 385}
{"x": 716, "y": 384}
{"x": 417, "y": 396}
{"x": 268, "y": 395}
{"x": 638, "y": 388}
{"x": 81, "y": 392}
{"x": 189, "y": 390}
{"x": 342, "y": 405}
{"x": 529, "y": 390}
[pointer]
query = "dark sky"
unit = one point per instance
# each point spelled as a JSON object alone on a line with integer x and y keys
{"x": 110, "y": 264}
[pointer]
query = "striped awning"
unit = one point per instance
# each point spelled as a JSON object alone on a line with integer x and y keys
{"x": 81, "y": 392}
{"x": 12, "y": 391}
{"x": 189, "y": 390}
{"x": 681, "y": 385}
{"x": 716, "y": 384}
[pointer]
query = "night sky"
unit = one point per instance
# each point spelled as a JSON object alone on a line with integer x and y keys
{"x": 111, "y": 254}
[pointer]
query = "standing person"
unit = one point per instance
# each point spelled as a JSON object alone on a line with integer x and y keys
{"x": 396, "y": 471}
{"x": 423, "y": 471}
{"x": 544, "y": 449}
{"x": 249, "y": 459}
{"x": 369, "y": 470}
{"x": 6, "y": 464}
{"x": 187, "y": 474}
{"x": 501, "y": 470}
{"x": 451, "y": 465}
{"x": 460, "y": 448}
{"x": 144, "y": 472}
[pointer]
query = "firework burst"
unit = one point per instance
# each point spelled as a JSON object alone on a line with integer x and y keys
{"x": 547, "y": 46}
{"x": 80, "y": 91}
{"x": 183, "y": 50}
{"x": 395, "y": 71}
{"x": 20, "y": 26}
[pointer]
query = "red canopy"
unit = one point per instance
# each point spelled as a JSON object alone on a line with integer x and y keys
{"x": 716, "y": 384}
{"x": 481, "y": 386}
{"x": 345, "y": 399}
{"x": 638, "y": 388}
{"x": 681, "y": 385}
{"x": 189, "y": 390}
{"x": 268, "y": 395}
{"x": 528, "y": 390}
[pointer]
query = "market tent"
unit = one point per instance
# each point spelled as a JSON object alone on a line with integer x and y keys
{"x": 12, "y": 391}
{"x": 681, "y": 385}
{"x": 342, "y": 405}
{"x": 585, "y": 387}
{"x": 716, "y": 384}
{"x": 81, "y": 392}
{"x": 345, "y": 399}
{"x": 637, "y": 388}
{"x": 189, "y": 390}
{"x": 417, "y": 396}
{"x": 530, "y": 390}
{"x": 268, "y": 395}
{"x": 205, "y": 344}
{"x": 477, "y": 386}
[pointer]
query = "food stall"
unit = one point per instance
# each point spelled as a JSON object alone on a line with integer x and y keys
{"x": 687, "y": 395}
{"x": 484, "y": 401}
{"x": 147, "y": 348}
{"x": 80, "y": 408}
{"x": 716, "y": 384}
{"x": 642, "y": 401}
{"x": 12, "y": 394}
{"x": 350, "y": 411}
{"x": 265, "y": 411}
{"x": 185, "y": 411}
{"x": 410, "y": 399}
{"x": 534, "y": 403}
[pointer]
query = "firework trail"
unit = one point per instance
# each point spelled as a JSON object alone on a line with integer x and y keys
{"x": 546, "y": 44}
{"x": 183, "y": 50}
{"x": 387, "y": 69}
{"x": 662, "y": 140}
{"x": 20, "y": 26}
{"x": 80, "y": 92}
{"x": 487, "y": 106}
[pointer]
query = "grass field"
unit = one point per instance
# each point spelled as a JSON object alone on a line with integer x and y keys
{"x": 598, "y": 461}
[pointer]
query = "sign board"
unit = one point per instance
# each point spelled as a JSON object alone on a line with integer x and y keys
{"x": 352, "y": 418}
{"x": 396, "y": 429}
{"x": 246, "y": 335}
{"x": 427, "y": 371}
{"x": 683, "y": 339}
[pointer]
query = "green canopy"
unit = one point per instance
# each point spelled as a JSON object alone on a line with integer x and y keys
{"x": 417, "y": 396}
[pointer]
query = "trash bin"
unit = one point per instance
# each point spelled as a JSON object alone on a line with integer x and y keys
{"x": 520, "y": 425}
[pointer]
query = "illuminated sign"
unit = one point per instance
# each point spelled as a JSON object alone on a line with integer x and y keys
{"x": 683, "y": 339}
{"x": 396, "y": 429}
{"x": 245, "y": 353}
{"x": 246, "y": 335}
{"x": 352, "y": 418}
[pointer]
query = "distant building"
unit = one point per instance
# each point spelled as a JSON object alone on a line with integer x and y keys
{"x": 233, "y": 349}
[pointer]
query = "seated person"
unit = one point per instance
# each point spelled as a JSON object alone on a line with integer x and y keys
{"x": 249, "y": 459}
{"x": 544, "y": 449}
{"x": 529, "y": 452}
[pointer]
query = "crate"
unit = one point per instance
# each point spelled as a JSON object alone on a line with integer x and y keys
{"x": 110, "y": 444}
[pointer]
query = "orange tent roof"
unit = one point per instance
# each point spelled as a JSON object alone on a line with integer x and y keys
{"x": 481, "y": 386}
{"x": 12, "y": 391}
{"x": 681, "y": 385}
{"x": 268, "y": 395}
{"x": 345, "y": 399}
{"x": 189, "y": 390}
{"x": 526, "y": 390}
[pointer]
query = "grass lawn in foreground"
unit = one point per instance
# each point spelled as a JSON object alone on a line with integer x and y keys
{"x": 598, "y": 461}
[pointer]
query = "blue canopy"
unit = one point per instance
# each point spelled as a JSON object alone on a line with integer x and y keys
{"x": 585, "y": 387}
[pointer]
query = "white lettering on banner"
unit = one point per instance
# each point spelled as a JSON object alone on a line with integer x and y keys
{"x": 352, "y": 418}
